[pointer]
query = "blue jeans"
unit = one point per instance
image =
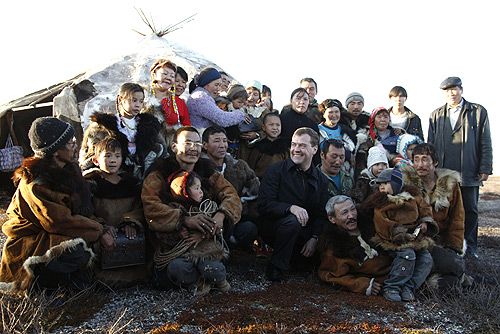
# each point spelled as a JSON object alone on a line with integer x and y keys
{"x": 182, "y": 272}
{"x": 409, "y": 269}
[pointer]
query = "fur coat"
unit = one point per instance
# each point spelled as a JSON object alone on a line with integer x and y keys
{"x": 397, "y": 216}
{"x": 44, "y": 221}
{"x": 264, "y": 153}
{"x": 448, "y": 209}
{"x": 345, "y": 262}
{"x": 165, "y": 219}
{"x": 149, "y": 144}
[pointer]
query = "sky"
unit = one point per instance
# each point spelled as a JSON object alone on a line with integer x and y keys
{"x": 357, "y": 45}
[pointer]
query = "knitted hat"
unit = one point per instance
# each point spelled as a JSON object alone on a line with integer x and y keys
{"x": 394, "y": 176}
{"x": 48, "y": 134}
{"x": 396, "y": 181}
{"x": 376, "y": 155}
{"x": 404, "y": 141}
{"x": 255, "y": 84}
{"x": 354, "y": 96}
{"x": 206, "y": 76}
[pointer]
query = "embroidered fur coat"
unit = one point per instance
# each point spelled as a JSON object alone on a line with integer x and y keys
{"x": 397, "y": 216}
{"x": 44, "y": 221}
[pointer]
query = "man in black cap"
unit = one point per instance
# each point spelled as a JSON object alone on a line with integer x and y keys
{"x": 460, "y": 131}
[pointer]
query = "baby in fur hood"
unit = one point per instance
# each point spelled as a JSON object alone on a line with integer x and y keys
{"x": 403, "y": 222}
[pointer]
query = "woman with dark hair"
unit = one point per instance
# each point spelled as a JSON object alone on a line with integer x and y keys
{"x": 293, "y": 116}
{"x": 204, "y": 112}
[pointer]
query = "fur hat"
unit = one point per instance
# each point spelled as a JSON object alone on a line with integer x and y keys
{"x": 376, "y": 155}
{"x": 354, "y": 96}
{"x": 48, "y": 134}
{"x": 397, "y": 181}
{"x": 404, "y": 141}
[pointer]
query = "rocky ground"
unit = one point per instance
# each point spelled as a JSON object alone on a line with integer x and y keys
{"x": 300, "y": 305}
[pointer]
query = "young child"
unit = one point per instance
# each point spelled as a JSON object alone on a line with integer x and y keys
{"x": 404, "y": 147}
{"x": 403, "y": 222}
{"x": 366, "y": 185}
{"x": 116, "y": 199}
{"x": 270, "y": 149}
{"x": 186, "y": 192}
{"x": 138, "y": 133}
{"x": 247, "y": 129}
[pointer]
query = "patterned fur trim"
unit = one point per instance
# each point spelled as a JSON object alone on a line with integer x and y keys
{"x": 446, "y": 181}
{"x": 53, "y": 253}
{"x": 400, "y": 198}
{"x": 424, "y": 243}
{"x": 433, "y": 281}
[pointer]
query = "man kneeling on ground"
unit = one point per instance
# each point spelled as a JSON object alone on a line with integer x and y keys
{"x": 347, "y": 260}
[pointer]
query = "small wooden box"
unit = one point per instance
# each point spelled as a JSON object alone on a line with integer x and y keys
{"x": 127, "y": 252}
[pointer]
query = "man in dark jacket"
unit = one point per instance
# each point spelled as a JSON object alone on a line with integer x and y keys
{"x": 460, "y": 131}
{"x": 291, "y": 202}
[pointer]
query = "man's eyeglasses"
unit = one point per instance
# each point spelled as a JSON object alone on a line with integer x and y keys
{"x": 191, "y": 144}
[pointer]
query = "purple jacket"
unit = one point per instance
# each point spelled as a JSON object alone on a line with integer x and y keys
{"x": 204, "y": 112}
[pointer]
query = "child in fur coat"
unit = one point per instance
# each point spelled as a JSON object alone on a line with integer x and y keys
{"x": 187, "y": 193}
{"x": 116, "y": 199}
{"x": 403, "y": 221}
{"x": 366, "y": 185}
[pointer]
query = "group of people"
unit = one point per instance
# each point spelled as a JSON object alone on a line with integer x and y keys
{"x": 179, "y": 186}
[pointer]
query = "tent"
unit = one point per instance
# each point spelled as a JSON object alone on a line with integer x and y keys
{"x": 96, "y": 89}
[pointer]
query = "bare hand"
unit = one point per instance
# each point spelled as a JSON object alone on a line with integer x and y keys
{"x": 309, "y": 247}
{"x": 201, "y": 223}
{"x": 423, "y": 228}
{"x": 108, "y": 241}
{"x": 300, "y": 213}
{"x": 376, "y": 287}
{"x": 195, "y": 238}
{"x": 219, "y": 222}
{"x": 483, "y": 177}
{"x": 130, "y": 231}
{"x": 397, "y": 131}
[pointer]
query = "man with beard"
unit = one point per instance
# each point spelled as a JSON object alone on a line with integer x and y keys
{"x": 442, "y": 191}
{"x": 291, "y": 202}
{"x": 332, "y": 160}
{"x": 347, "y": 259}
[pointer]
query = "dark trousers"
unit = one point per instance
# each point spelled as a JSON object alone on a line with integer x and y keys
{"x": 470, "y": 197}
{"x": 287, "y": 237}
{"x": 69, "y": 269}
{"x": 182, "y": 272}
{"x": 244, "y": 233}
